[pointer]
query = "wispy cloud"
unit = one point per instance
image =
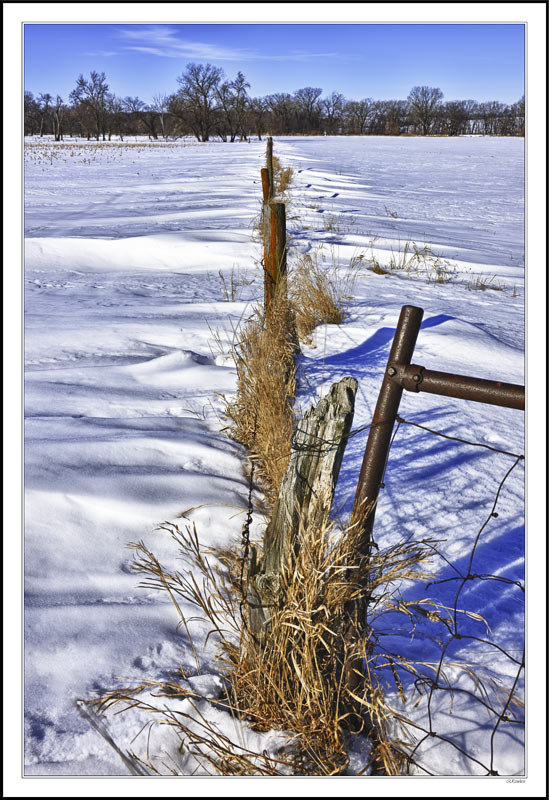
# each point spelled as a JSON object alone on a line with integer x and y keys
{"x": 163, "y": 41}
{"x": 103, "y": 53}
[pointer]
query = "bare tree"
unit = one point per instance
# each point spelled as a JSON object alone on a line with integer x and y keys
{"x": 195, "y": 102}
{"x": 308, "y": 106}
{"x": 133, "y": 108}
{"x": 83, "y": 119}
{"x": 488, "y": 113}
{"x": 283, "y": 112}
{"x": 43, "y": 106}
{"x": 93, "y": 93}
{"x": 471, "y": 111}
{"x": 456, "y": 117}
{"x": 205, "y": 104}
{"x": 58, "y": 113}
{"x": 241, "y": 102}
{"x": 424, "y": 105}
{"x": 150, "y": 119}
{"x": 519, "y": 116}
{"x": 356, "y": 113}
{"x": 160, "y": 105}
{"x": 31, "y": 113}
{"x": 395, "y": 116}
{"x": 226, "y": 119}
{"x": 332, "y": 108}
{"x": 116, "y": 116}
{"x": 233, "y": 104}
{"x": 377, "y": 117}
{"x": 257, "y": 113}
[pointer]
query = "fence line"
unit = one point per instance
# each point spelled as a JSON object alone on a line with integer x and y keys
{"x": 401, "y": 374}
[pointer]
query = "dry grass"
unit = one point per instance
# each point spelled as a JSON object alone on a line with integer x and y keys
{"x": 296, "y": 681}
{"x": 232, "y": 283}
{"x": 378, "y": 269}
{"x": 483, "y": 282}
{"x": 282, "y": 177}
{"x": 415, "y": 260}
{"x": 261, "y": 414}
{"x": 320, "y": 293}
{"x": 337, "y": 223}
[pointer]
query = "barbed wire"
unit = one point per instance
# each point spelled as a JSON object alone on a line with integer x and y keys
{"x": 331, "y": 444}
{"x": 246, "y": 532}
{"x": 457, "y": 439}
{"x": 427, "y": 685}
{"x": 434, "y": 684}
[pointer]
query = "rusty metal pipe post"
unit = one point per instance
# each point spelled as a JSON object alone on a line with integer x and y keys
{"x": 371, "y": 476}
{"x": 379, "y": 439}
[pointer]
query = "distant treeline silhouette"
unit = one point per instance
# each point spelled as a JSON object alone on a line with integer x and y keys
{"x": 208, "y": 105}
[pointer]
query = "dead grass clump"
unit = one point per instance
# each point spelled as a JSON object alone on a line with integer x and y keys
{"x": 261, "y": 413}
{"x": 377, "y": 268}
{"x": 296, "y": 680}
{"x": 415, "y": 260}
{"x": 314, "y": 296}
{"x": 282, "y": 177}
{"x": 232, "y": 283}
{"x": 319, "y": 293}
{"x": 483, "y": 282}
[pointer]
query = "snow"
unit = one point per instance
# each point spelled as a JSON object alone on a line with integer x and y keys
{"x": 127, "y": 330}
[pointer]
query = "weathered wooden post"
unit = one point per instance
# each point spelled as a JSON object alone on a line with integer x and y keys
{"x": 306, "y": 493}
{"x": 274, "y": 251}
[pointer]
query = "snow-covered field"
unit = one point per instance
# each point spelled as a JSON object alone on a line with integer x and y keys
{"x": 127, "y": 331}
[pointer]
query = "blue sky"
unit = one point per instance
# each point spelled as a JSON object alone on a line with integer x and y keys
{"x": 466, "y": 61}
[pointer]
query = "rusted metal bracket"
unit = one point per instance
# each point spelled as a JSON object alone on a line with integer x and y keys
{"x": 414, "y": 378}
{"x": 401, "y": 374}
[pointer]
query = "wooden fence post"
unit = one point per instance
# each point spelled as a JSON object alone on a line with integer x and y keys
{"x": 307, "y": 492}
{"x": 274, "y": 256}
{"x": 264, "y": 224}
{"x": 270, "y": 165}
{"x": 265, "y": 185}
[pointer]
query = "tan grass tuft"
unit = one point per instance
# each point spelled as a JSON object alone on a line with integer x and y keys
{"x": 320, "y": 294}
{"x": 282, "y": 178}
{"x": 261, "y": 414}
{"x": 296, "y": 681}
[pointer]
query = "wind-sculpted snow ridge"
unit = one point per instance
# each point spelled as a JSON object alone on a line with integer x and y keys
{"x": 128, "y": 327}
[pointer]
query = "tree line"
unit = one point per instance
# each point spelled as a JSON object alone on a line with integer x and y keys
{"x": 208, "y": 105}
